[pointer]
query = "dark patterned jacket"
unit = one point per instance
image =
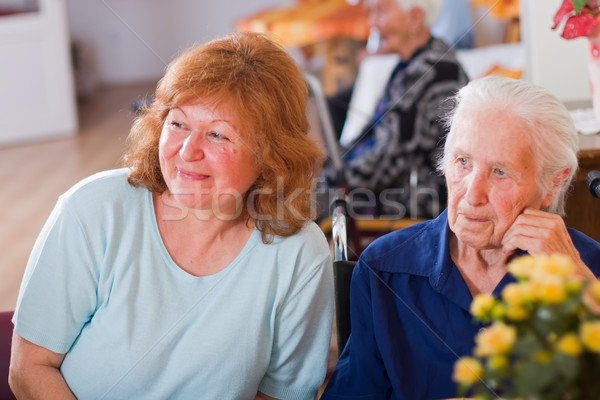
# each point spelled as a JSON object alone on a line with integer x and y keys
{"x": 394, "y": 158}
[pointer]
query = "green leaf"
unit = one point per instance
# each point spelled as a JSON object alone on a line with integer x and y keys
{"x": 566, "y": 365}
{"x": 553, "y": 318}
{"x": 533, "y": 378}
{"x": 578, "y": 4}
{"x": 526, "y": 344}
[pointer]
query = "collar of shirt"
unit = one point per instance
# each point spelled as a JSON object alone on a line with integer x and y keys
{"x": 425, "y": 252}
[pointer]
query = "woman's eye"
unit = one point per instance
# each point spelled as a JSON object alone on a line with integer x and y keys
{"x": 218, "y": 136}
{"x": 177, "y": 125}
{"x": 500, "y": 172}
{"x": 463, "y": 161}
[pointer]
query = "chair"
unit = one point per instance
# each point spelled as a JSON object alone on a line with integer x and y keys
{"x": 6, "y": 329}
{"x": 342, "y": 271}
{"x": 342, "y": 274}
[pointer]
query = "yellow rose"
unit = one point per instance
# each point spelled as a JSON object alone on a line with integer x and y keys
{"x": 574, "y": 284}
{"x": 516, "y": 294}
{"x": 590, "y": 335}
{"x": 591, "y": 297}
{"x": 558, "y": 265}
{"x": 497, "y": 363}
{"x": 569, "y": 344}
{"x": 499, "y": 311}
{"x": 495, "y": 340}
{"x": 467, "y": 371}
{"x": 594, "y": 290}
{"x": 482, "y": 305}
{"x": 550, "y": 291}
{"x": 522, "y": 267}
{"x": 517, "y": 313}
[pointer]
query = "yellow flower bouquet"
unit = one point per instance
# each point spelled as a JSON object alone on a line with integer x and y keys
{"x": 542, "y": 341}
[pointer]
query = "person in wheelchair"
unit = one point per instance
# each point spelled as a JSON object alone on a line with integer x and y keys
{"x": 394, "y": 155}
{"x": 509, "y": 159}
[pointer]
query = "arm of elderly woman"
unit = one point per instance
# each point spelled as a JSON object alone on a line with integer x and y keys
{"x": 35, "y": 372}
{"x": 540, "y": 232}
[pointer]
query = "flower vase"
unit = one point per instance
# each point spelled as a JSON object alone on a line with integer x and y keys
{"x": 593, "y": 61}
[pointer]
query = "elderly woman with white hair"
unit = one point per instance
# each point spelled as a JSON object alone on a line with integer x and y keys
{"x": 508, "y": 160}
{"x": 401, "y": 143}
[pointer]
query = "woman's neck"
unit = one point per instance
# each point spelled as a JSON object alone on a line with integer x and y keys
{"x": 207, "y": 222}
{"x": 200, "y": 243}
{"x": 482, "y": 269}
{"x": 410, "y": 46}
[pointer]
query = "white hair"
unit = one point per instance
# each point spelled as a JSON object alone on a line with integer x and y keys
{"x": 552, "y": 134}
{"x": 431, "y": 9}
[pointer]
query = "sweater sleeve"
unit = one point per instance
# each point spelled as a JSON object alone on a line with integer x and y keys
{"x": 302, "y": 331}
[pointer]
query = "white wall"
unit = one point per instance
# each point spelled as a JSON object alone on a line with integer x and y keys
{"x": 37, "y": 99}
{"x": 133, "y": 40}
{"x": 553, "y": 62}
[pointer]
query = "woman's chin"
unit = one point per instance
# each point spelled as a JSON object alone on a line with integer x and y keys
{"x": 477, "y": 239}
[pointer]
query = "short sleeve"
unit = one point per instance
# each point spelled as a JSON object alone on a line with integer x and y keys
{"x": 359, "y": 372}
{"x": 302, "y": 336}
{"x": 58, "y": 292}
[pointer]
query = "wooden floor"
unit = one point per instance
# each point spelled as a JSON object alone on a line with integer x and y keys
{"x": 34, "y": 175}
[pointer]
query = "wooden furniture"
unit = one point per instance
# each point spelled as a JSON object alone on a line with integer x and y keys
{"x": 583, "y": 210}
{"x": 375, "y": 226}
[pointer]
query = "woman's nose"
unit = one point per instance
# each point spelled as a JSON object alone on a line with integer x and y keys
{"x": 192, "y": 148}
{"x": 477, "y": 189}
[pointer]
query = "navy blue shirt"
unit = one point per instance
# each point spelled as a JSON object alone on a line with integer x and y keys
{"x": 410, "y": 316}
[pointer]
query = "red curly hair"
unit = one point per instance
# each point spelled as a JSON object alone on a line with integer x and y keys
{"x": 266, "y": 88}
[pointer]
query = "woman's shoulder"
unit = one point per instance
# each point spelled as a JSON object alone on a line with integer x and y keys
{"x": 441, "y": 59}
{"x": 589, "y": 249}
{"x": 106, "y": 189}
{"x": 310, "y": 233}
{"x": 100, "y": 184}
{"x": 438, "y": 50}
{"x": 397, "y": 240}
{"x": 309, "y": 240}
{"x": 405, "y": 250}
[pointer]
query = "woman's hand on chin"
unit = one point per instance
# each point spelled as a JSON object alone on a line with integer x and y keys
{"x": 540, "y": 232}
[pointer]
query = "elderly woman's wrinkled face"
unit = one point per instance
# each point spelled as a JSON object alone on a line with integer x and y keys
{"x": 205, "y": 159}
{"x": 391, "y": 21}
{"x": 491, "y": 178}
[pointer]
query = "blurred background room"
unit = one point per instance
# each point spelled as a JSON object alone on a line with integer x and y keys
{"x": 72, "y": 70}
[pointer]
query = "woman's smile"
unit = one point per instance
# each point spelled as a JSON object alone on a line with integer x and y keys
{"x": 185, "y": 174}
{"x": 204, "y": 154}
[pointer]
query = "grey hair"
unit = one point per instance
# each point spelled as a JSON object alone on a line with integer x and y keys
{"x": 552, "y": 134}
{"x": 431, "y": 9}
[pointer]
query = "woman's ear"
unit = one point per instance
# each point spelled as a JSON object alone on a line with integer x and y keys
{"x": 557, "y": 182}
{"x": 417, "y": 15}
